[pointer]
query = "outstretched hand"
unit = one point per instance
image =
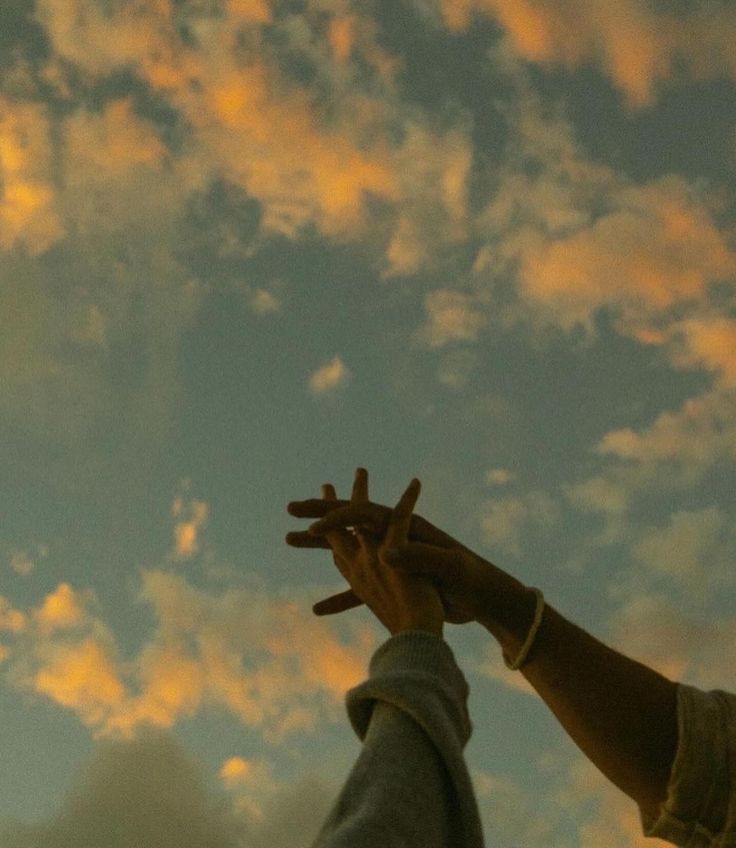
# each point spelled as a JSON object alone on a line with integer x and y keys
{"x": 399, "y": 600}
{"x": 465, "y": 581}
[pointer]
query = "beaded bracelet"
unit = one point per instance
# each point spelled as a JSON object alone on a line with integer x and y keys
{"x": 521, "y": 659}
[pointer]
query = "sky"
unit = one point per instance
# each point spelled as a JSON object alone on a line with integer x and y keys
{"x": 248, "y": 246}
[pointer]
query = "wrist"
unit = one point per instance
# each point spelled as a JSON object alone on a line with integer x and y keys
{"x": 511, "y": 616}
{"x": 428, "y": 627}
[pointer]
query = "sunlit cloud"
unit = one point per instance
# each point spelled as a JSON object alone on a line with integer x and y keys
{"x": 666, "y": 636}
{"x": 654, "y": 247}
{"x": 62, "y": 609}
{"x": 505, "y": 521}
{"x": 262, "y": 130}
{"x": 693, "y": 550}
{"x": 191, "y": 519}
{"x": 264, "y": 302}
{"x": 11, "y": 620}
{"x": 29, "y": 216}
{"x": 635, "y": 43}
{"x": 499, "y": 477}
{"x": 250, "y": 783}
{"x": 238, "y": 649}
{"x": 330, "y": 376}
{"x": 451, "y": 316}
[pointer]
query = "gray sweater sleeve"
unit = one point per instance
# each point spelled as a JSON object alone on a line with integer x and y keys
{"x": 700, "y": 809}
{"x": 410, "y": 785}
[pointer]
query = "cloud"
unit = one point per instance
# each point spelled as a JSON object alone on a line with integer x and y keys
{"x": 644, "y": 251}
{"x": 680, "y": 638}
{"x": 149, "y": 792}
{"x": 499, "y": 477}
{"x": 506, "y": 521}
{"x": 204, "y": 97}
{"x": 687, "y": 441}
{"x": 511, "y": 816}
{"x": 23, "y": 561}
{"x": 29, "y": 216}
{"x": 264, "y": 302}
{"x": 635, "y": 43}
{"x": 456, "y": 368}
{"x": 606, "y": 815}
{"x": 192, "y": 516}
{"x": 253, "y": 123}
{"x": 62, "y": 609}
{"x": 152, "y": 793}
{"x": 695, "y": 550}
{"x": 329, "y": 377}
{"x": 268, "y": 661}
{"x": 11, "y": 620}
{"x": 250, "y": 783}
{"x": 451, "y": 317}
{"x": 579, "y": 240}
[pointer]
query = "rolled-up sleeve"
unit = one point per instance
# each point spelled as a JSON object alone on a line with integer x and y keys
{"x": 700, "y": 810}
{"x": 410, "y": 785}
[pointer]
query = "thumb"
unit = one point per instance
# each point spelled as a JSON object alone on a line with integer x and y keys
{"x": 418, "y": 558}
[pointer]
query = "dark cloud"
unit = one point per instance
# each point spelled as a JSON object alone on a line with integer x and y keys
{"x": 151, "y": 793}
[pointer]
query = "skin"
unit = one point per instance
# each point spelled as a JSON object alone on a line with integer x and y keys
{"x": 399, "y": 600}
{"x": 620, "y": 713}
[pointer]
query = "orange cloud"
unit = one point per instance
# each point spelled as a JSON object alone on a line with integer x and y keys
{"x": 82, "y": 677}
{"x": 114, "y": 141}
{"x": 268, "y": 661}
{"x": 707, "y": 342}
{"x": 342, "y": 37}
{"x": 636, "y": 45}
{"x": 192, "y": 520}
{"x": 254, "y": 125}
{"x": 703, "y": 429}
{"x": 62, "y": 609}
{"x": 330, "y": 376}
{"x": 11, "y": 620}
{"x": 28, "y": 206}
{"x": 452, "y": 316}
{"x": 656, "y": 248}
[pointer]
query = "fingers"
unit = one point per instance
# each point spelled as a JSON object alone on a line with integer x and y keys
{"x": 310, "y": 509}
{"x": 337, "y": 603}
{"x": 398, "y": 528}
{"x": 314, "y": 508}
{"x": 360, "y": 486}
{"x": 306, "y": 540}
{"x": 352, "y": 515}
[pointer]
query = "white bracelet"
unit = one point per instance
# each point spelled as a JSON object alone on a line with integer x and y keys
{"x": 521, "y": 659}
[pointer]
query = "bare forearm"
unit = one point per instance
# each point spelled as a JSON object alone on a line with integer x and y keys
{"x": 621, "y": 714}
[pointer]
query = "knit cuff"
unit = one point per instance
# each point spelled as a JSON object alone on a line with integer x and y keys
{"x": 410, "y": 669}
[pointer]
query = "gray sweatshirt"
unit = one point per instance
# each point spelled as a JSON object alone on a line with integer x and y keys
{"x": 410, "y": 786}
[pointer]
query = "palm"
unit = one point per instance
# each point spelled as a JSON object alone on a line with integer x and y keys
{"x": 375, "y": 523}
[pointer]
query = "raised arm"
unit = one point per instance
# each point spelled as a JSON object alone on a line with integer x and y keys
{"x": 621, "y": 714}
